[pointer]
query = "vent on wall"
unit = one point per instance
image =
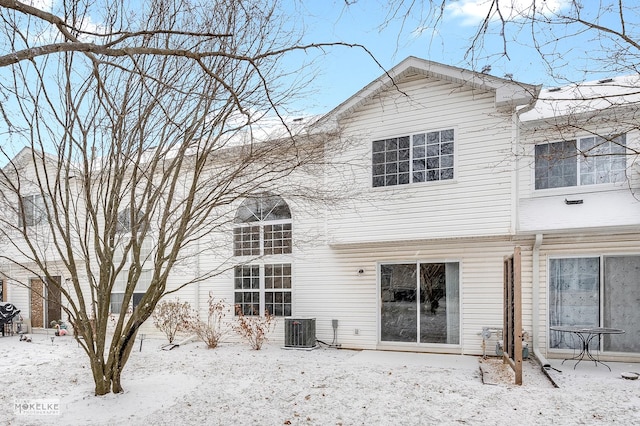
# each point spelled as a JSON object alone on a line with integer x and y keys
{"x": 300, "y": 333}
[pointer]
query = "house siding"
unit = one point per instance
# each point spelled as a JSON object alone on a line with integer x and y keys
{"x": 475, "y": 219}
{"x": 477, "y": 202}
{"x": 603, "y": 206}
{"x": 331, "y": 288}
{"x": 576, "y": 245}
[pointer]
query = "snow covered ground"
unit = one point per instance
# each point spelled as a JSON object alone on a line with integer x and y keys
{"x": 192, "y": 385}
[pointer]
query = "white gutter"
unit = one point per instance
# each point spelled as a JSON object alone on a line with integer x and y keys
{"x": 196, "y": 299}
{"x": 515, "y": 188}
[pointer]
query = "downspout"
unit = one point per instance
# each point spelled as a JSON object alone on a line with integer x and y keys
{"x": 196, "y": 299}
{"x": 535, "y": 257}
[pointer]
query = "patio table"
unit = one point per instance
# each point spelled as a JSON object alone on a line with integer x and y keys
{"x": 586, "y": 335}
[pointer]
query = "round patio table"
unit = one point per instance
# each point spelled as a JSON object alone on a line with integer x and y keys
{"x": 585, "y": 335}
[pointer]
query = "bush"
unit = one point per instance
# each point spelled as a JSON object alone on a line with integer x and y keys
{"x": 171, "y": 317}
{"x": 254, "y": 329}
{"x": 212, "y": 331}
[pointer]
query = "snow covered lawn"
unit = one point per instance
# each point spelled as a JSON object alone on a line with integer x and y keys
{"x": 236, "y": 385}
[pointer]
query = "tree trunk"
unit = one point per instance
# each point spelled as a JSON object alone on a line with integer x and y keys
{"x": 107, "y": 374}
{"x": 101, "y": 379}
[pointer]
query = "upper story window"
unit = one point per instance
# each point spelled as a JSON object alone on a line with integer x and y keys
{"x": 584, "y": 161}
{"x": 124, "y": 221}
{"x": 422, "y": 157}
{"x": 125, "y": 224}
{"x": 263, "y": 227}
{"x": 35, "y": 210}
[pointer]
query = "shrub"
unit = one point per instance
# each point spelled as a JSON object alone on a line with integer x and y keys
{"x": 212, "y": 331}
{"x": 171, "y": 317}
{"x": 254, "y": 329}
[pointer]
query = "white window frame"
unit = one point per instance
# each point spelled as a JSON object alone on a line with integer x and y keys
{"x": 458, "y": 317}
{"x": 35, "y": 210}
{"x": 412, "y": 172}
{"x": 262, "y": 289}
{"x": 584, "y": 157}
{"x": 273, "y": 249}
{"x": 602, "y": 289}
{"x": 261, "y": 249}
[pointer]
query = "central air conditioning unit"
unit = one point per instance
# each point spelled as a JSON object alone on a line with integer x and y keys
{"x": 299, "y": 332}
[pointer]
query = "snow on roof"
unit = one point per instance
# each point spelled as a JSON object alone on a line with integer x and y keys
{"x": 585, "y": 97}
{"x": 271, "y": 128}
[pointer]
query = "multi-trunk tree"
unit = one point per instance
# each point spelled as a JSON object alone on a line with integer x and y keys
{"x": 139, "y": 123}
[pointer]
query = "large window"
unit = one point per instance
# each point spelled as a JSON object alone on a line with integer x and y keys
{"x": 420, "y": 303}
{"x": 35, "y": 210}
{"x": 263, "y": 288}
{"x": 263, "y": 230}
{"x": 585, "y": 161}
{"x": 423, "y": 157}
{"x": 595, "y": 291}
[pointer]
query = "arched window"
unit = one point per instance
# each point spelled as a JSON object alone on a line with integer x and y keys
{"x": 263, "y": 229}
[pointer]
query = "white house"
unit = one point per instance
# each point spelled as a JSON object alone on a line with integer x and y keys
{"x": 578, "y": 194}
{"x": 447, "y": 171}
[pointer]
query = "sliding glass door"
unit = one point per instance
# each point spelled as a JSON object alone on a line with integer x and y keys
{"x": 420, "y": 302}
{"x": 596, "y": 291}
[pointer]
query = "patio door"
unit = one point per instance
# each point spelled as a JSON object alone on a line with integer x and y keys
{"x": 596, "y": 291}
{"x": 420, "y": 303}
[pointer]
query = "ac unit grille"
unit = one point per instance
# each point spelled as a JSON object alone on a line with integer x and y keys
{"x": 299, "y": 332}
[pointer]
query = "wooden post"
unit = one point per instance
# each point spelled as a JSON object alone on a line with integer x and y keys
{"x": 512, "y": 313}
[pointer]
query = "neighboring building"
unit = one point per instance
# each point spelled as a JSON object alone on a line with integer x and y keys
{"x": 448, "y": 172}
{"x": 578, "y": 194}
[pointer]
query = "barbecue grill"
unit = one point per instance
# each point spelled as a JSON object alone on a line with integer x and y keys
{"x": 8, "y": 312}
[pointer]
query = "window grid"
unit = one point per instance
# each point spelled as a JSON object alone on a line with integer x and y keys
{"x": 263, "y": 228}
{"x": 602, "y": 161}
{"x": 422, "y": 157}
{"x": 271, "y": 280}
{"x": 246, "y": 241}
{"x": 247, "y": 286}
{"x": 277, "y": 279}
{"x": 586, "y": 161}
{"x": 391, "y": 161}
{"x": 277, "y": 239}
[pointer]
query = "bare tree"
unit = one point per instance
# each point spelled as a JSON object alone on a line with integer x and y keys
{"x": 576, "y": 41}
{"x": 139, "y": 131}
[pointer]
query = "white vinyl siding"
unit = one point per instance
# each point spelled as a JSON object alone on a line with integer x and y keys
{"x": 477, "y": 202}
{"x": 331, "y": 287}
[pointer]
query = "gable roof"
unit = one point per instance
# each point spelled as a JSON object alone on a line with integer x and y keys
{"x": 508, "y": 93}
